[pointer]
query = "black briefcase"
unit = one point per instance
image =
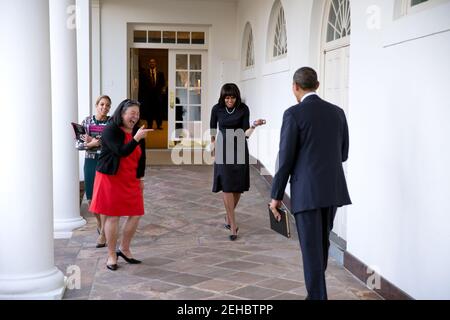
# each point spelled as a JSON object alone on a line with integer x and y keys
{"x": 282, "y": 226}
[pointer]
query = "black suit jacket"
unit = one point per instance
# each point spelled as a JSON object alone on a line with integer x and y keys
{"x": 147, "y": 92}
{"x": 314, "y": 142}
{"x": 113, "y": 149}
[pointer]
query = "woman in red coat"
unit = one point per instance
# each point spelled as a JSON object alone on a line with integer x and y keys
{"x": 118, "y": 187}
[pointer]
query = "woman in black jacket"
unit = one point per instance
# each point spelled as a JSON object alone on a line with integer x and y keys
{"x": 119, "y": 184}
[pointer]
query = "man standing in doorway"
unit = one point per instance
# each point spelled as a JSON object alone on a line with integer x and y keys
{"x": 152, "y": 88}
{"x": 313, "y": 145}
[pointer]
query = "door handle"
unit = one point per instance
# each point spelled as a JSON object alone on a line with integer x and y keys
{"x": 172, "y": 100}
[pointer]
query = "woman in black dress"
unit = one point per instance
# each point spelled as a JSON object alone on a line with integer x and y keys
{"x": 231, "y": 166}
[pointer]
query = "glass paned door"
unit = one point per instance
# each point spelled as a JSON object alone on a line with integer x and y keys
{"x": 186, "y": 97}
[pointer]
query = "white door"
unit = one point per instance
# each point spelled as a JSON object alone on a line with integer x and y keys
{"x": 336, "y": 88}
{"x": 187, "y": 97}
{"x": 134, "y": 76}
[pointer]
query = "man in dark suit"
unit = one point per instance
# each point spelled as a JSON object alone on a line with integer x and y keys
{"x": 313, "y": 145}
{"x": 152, "y": 85}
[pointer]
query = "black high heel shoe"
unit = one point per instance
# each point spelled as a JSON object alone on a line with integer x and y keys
{"x": 112, "y": 267}
{"x": 233, "y": 237}
{"x": 226, "y": 225}
{"x": 129, "y": 260}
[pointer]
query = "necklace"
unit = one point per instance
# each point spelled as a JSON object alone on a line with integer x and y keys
{"x": 226, "y": 109}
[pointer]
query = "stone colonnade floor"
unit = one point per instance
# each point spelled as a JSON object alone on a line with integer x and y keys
{"x": 187, "y": 254}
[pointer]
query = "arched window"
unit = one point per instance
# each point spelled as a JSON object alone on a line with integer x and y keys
{"x": 248, "y": 48}
{"x": 277, "y": 32}
{"x": 406, "y": 7}
{"x": 339, "y": 25}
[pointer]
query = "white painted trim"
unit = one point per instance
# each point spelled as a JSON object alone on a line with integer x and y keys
{"x": 276, "y": 66}
{"x": 328, "y": 46}
{"x": 423, "y": 23}
{"x": 168, "y": 27}
{"x": 403, "y": 7}
{"x": 273, "y": 18}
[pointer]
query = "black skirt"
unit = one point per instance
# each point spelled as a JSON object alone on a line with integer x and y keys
{"x": 231, "y": 175}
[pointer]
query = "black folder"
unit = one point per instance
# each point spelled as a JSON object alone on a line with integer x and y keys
{"x": 78, "y": 130}
{"x": 282, "y": 226}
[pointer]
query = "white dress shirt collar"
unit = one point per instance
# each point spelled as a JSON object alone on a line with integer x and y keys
{"x": 308, "y": 95}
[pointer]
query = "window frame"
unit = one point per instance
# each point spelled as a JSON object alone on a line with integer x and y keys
{"x": 246, "y": 45}
{"x": 273, "y": 22}
{"x": 337, "y": 43}
{"x": 404, "y": 8}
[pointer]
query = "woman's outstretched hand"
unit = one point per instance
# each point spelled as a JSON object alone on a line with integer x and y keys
{"x": 141, "y": 133}
{"x": 259, "y": 122}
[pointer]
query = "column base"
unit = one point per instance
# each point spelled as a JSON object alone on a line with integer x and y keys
{"x": 45, "y": 286}
{"x": 63, "y": 228}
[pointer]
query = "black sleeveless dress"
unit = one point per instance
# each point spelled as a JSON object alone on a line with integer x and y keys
{"x": 231, "y": 166}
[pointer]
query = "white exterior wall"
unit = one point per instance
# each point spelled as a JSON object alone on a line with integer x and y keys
{"x": 398, "y": 173}
{"x": 115, "y": 14}
{"x": 267, "y": 89}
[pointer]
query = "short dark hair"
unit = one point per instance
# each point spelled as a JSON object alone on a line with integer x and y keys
{"x": 306, "y": 78}
{"x": 123, "y": 106}
{"x": 230, "y": 90}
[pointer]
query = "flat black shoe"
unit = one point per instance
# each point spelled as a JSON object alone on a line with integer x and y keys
{"x": 112, "y": 267}
{"x": 129, "y": 260}
{"x": 100, "y": 245}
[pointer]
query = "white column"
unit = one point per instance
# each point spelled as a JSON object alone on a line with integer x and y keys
{"x": 96, "y": 51}
{"x": 27, "y": 269}
{"x": 84, "y": 67}
{"x": 63, "y": 48}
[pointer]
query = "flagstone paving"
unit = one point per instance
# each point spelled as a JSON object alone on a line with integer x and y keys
{"x": 187, "y": 254}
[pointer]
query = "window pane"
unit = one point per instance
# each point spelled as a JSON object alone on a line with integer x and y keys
{"x": 182, "y": 61}
{"x": 140, "y": 36}
{"x": 181, "y": 130}
{"x": 280, "y": 38}
{"x": 195, "y": 113}
{"x": 339, "y": 24}
{"x": 181, "y": 97}
{"x": 196, "y": 79}
{"x": 154, "y": 36}
{"x": 198, "y": 38}
{"x": 184, "y": 37}
{"x": 181, "y": 113}
{"x": 195, "y": 96}
{"x": 196, "y": 62}
{"x": 182, "y": 79}
{"x": 169, "y": 37}
{"x": 416, "y": 2}
{"x": 250, "y": 55}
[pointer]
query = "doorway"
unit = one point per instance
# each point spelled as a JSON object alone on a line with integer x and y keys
{"x": 151, "y": 91}
{"x": 187, "y": 78}
{"x": 335, "y": 73}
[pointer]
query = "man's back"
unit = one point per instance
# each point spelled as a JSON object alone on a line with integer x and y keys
{"x": 316, "y": 137}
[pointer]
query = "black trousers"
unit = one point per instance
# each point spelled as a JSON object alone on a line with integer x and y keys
{"x": 314, "y": 227}
{"x": 151, "y": 110}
